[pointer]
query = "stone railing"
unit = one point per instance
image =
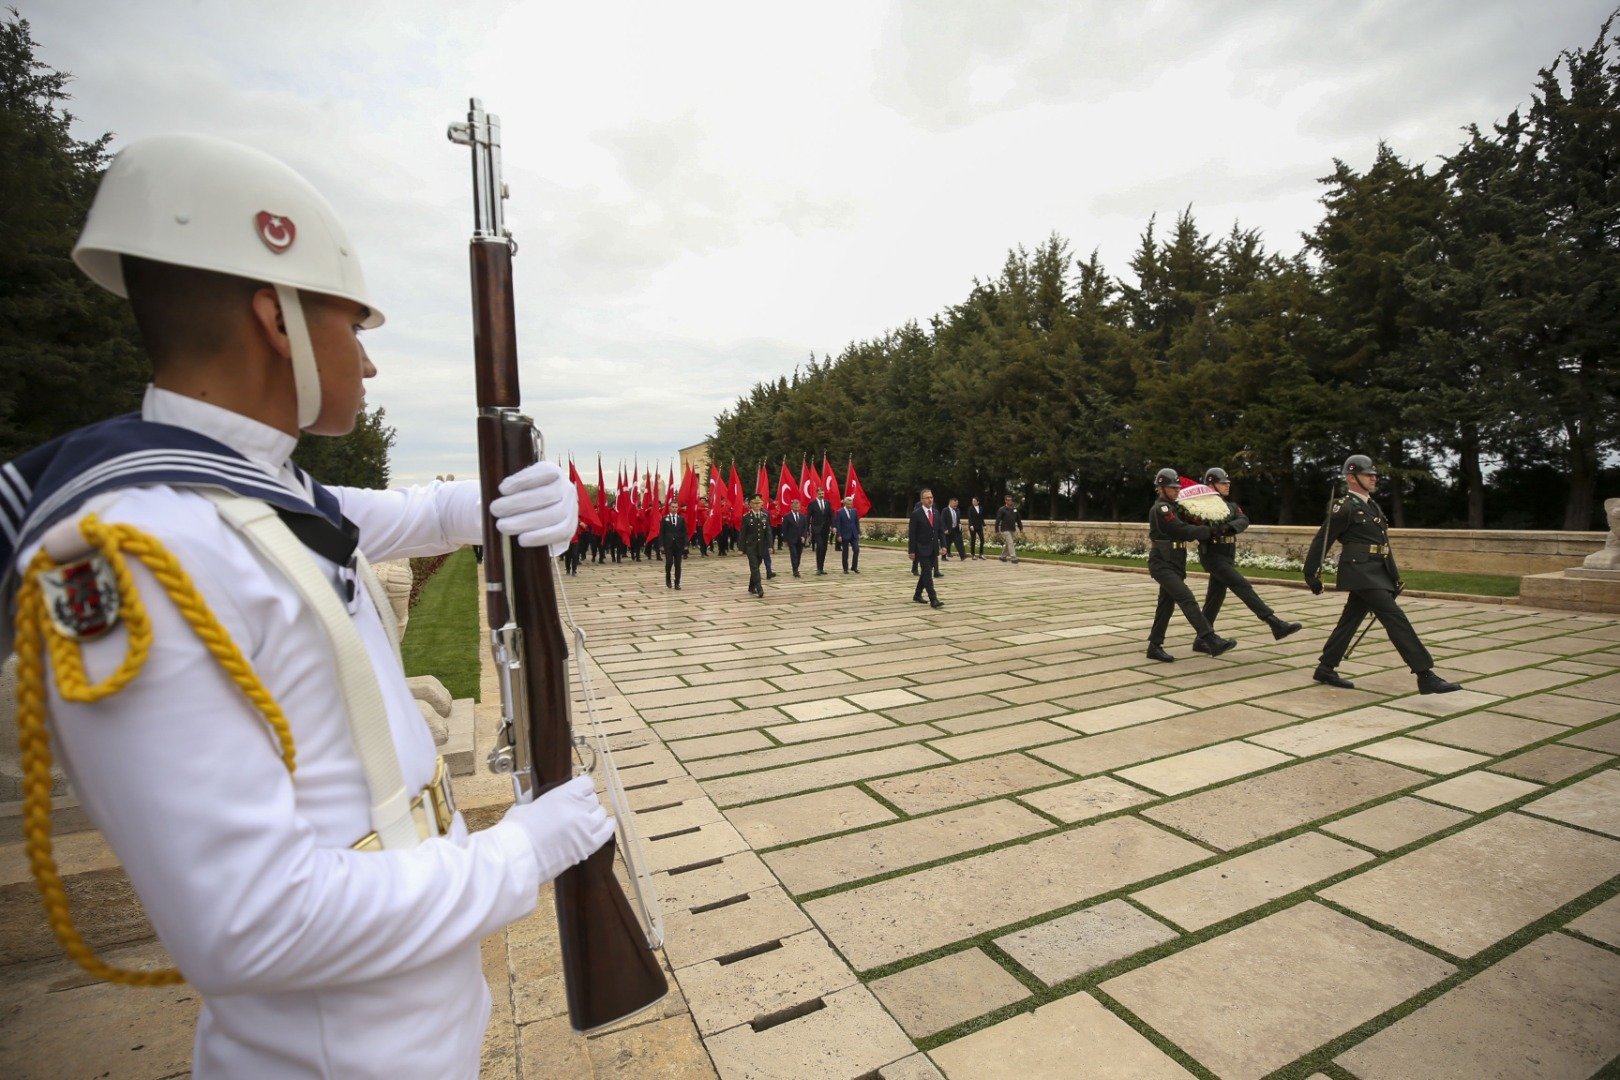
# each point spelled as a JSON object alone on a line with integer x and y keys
{"x": 1460, "y": 551}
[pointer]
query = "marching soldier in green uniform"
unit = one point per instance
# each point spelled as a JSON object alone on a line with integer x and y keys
{"x": 1168, "y": 535}
{"x": 1219, "y": 557}
{"x": 756, "y": 540}
{"x": 1367, "y": 571}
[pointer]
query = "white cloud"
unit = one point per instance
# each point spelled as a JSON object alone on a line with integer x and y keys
{"x": 705, "y": 194}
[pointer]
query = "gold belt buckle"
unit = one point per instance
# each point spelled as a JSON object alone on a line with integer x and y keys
{"x": 437, "y": 796}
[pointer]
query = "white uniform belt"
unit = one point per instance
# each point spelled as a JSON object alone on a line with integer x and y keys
{"x": 433, "y": 809}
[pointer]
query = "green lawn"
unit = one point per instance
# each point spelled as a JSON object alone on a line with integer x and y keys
{"x": 1419, "y": 580}
{"x": 441, "y": 638}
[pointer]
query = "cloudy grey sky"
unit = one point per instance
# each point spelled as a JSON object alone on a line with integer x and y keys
{"x": 708, "y": 193}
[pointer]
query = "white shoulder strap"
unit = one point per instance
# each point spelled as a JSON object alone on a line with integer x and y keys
{"x": 368, "y": 718}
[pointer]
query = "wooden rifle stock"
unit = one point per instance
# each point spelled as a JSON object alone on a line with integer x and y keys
{"x": 609, "y": 970}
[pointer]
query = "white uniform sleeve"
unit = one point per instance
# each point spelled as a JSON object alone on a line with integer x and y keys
{"x": 429, "y": 519}
{"x": 184, "y": 779}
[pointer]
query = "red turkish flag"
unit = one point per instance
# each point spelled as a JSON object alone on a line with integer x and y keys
{"x": 786, "y": 491}
{"x": 624, "y": 518}
{"x": 762, "y": 488}
{"x": 603, "y": 515}
{"x": 853, "y": 486}
{"x": 588, "y": 518}
{"x": 739, "y": 503}
{"x": 829, "y": 482}
{"x": 807, "y": 482}
{"x": 718, "y": 510}
{"x": 689, "y": 501}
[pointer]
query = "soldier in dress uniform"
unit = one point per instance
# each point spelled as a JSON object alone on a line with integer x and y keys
{"x": 331, "y": 930}
{"x": 756, "y": 541}
{"x": 1367, "y": 571}
{"x": 1218, "y": 555}
{"x": 1168, "y": 537}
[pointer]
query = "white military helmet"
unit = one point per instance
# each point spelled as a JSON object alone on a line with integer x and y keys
{"x": 211, "y": 204}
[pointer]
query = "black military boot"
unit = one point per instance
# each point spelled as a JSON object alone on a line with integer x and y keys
{"x": 1199, "y": 646}
{"x": 1329, "y": 677}
{"x": 1214, "y": 644}
{"x": 1280, "y": 629}
{"x": 1156, "y": 652}
{"x": 1430, "y": 683}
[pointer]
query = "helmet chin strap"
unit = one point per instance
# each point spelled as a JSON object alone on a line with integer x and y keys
{"x": 306, "y": 377}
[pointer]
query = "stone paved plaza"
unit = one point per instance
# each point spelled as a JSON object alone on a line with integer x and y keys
{"x": 997, "y": 834}
{"x": 995, "y": 841}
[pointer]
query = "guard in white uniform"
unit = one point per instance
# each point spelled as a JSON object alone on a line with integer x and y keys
{"x": 313, "y": 958}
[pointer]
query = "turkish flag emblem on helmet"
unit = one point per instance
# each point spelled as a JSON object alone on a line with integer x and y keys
{"x": 277, "y": 232}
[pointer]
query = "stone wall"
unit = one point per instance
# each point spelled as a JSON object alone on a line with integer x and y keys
{"x": 1461, "y": 551}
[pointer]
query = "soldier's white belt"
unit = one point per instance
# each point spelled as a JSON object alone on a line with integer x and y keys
{"x": 1171, "y": 543}
{"x": 1370, "y": 549}
{"x": 433, "y": 809}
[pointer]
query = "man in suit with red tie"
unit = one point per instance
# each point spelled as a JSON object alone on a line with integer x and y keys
{"x": 922, "y": 541}
{"x": 821, "y": 515}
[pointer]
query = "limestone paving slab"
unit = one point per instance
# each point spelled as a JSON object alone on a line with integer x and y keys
{"x": 751, "y": 787}
{"x": 1559, "y": 709}
{"x": 821, "y": 709}
{"x": 800, "y": 817}
{"x": 970, "y": 781}
{"x": 1085, "y": 799}
{"x": 1467, "y": 891}
{"x": 715, "y": 745}
{"x": 669, "y": 1049}
{"x": 1084, "y": 940}
{"x": 942, "y": 993}
{"x": 1494, "y": 661}
{"x": 1593, "y": 803}
{"x": 1249, "y": 810}
{"x": 1550, "y": 1009}
{"x": 1007, "y": 714}
{"x": 1605, "y": 738}
{"x": 680, "y": 847}
{"x": 765, "y": 915}
{"x": 1460, "y": 701}
{"x": 1112, "y": 750}
{"x": 719, "y": 724}
{"x": 1528, "y": 681}
{"x": 1335, "y": 732}
{"x": 1395, "y": 824}
{"x": 915, "y": 1067}
{"x": 1417, "y": 754}
{"x": 1200, "y": 768}
{"x": 1605, "y": 688}
{"x": 712, "y": 880}
{"x": 884, "y": 699}
{"x": 1250, "y": 1001}
{"x": 825, "y": 863}
{"x": 810, "y": 750}
{"x": 801, "y": 968}
{"x": 1491, "y": 732}
{"x": 890, "y": 920}
{"x": 1550, "y": 764}
{"x": 1315, "y": 700}
{"x": 1477, "y": 791}
{"x": 664, "y": 818}
{"x": 850, "y": 1035}
{"x": 1602, "y": 923}
{"x": 1001, "y": 739}
{"x": 1126, "y": 714}
{"x": 853, "y": 724}
{"x": 1208, "y": 896}
{"x": 1073, "y": 1038}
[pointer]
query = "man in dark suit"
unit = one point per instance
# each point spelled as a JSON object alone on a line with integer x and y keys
{"x": 847, "y": 523}
{"x": 795, "y": 528}
{"x": 975, "y": 520}
{"x": 820, "y": 525}
{"x": 672, "y": 536}
{"x": 922, "y": 541}
{"x": 1367, "y": 571}
{"x": 953, "y": 531}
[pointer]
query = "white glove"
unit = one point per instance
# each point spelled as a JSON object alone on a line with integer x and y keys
{"x": 565, "y": 825}
{"x": 538, "y": 505}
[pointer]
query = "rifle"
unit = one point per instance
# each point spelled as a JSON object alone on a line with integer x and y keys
{"x": 609, "y": 968}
